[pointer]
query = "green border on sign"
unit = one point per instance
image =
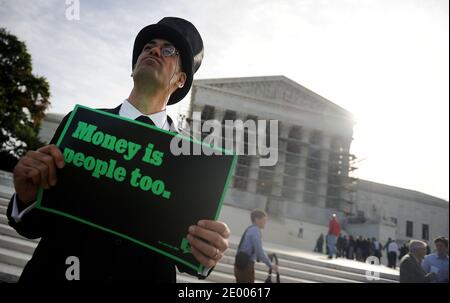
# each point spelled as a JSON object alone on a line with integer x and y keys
{"x": 193, "y": 140}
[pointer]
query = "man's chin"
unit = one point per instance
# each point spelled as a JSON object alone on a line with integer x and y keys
{"x": 146, "y": 76}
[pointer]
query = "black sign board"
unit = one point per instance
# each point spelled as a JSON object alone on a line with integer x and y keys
{"x": 122, "y": 176}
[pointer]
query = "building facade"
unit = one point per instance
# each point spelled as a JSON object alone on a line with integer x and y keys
{"x": 384, "y": 211}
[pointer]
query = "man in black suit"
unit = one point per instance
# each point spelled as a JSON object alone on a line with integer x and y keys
{"x": 165, "y": 57}
{"x": 411, "y": 270}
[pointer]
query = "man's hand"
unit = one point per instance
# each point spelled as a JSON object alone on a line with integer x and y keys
{"x": 208, "y": 240}
{"x": 34, "y": 169}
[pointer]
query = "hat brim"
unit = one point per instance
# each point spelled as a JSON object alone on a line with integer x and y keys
{"x": 159, "y": 31}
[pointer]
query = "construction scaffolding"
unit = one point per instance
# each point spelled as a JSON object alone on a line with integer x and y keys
{"x": 308, "y": 171}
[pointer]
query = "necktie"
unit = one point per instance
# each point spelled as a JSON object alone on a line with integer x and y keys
{"x": 145, "y": 119}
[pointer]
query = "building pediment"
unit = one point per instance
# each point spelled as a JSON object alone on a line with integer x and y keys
{"x": 277, "y": 89}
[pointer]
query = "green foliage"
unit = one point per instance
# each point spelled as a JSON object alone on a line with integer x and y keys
{"x": 24, "y": 98}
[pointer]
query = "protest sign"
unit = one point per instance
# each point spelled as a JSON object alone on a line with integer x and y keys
{"x": 121, "y": 177}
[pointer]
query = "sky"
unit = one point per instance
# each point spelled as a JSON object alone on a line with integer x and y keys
{"x": 386, "y": 61}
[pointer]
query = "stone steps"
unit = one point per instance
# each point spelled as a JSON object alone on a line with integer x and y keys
{"x": 9, "y": 231}
{"x": 323, "y": 266}
{"x": 17, "y": 244}
{"x": 3, "y": 219}
{"x": 3, "y": 210}
{"x": 309, "y": 272}
{"x": 3, "y": 201}
{"x": 9, "y": 273}
{"x": 259, "y": 274}
{"x": 16, "y": 250}
{"x": 183, "y": 278}
{"x": 324, "y": 274}
{"x": 12, "y": 257}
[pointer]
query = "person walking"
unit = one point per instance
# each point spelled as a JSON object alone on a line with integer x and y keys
{"x": 250, "y": 249}
{"x": 334, "y": 230}
{"x": 410, "y": 269}
{"x": 392, "y": 249}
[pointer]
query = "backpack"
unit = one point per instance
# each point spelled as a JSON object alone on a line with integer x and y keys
{"x": 242, "y": 259}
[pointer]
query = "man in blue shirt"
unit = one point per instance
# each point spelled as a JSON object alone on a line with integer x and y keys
{"x": 250, "y": 249}
{"x": 437, "y": 262}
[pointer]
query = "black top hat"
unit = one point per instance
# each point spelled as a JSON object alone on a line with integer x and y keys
{"x": 185, "y": 37}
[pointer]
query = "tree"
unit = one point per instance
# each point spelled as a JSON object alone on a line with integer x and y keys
{"x": 24, "y": 98}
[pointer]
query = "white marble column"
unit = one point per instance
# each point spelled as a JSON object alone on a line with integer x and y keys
{"x": 323, "y": 180}
{"x": 306, "y": 133}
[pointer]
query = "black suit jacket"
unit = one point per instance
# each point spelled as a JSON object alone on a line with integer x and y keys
{"x": 103, "y": 257}
{"x": 411, "y": 271}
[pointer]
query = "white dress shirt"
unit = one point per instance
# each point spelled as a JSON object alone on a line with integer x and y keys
{"x": 129, "y": 111}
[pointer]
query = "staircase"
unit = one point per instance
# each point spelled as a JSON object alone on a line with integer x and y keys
{"x": 298, "y": 269}
{"x": 301, "y": 267}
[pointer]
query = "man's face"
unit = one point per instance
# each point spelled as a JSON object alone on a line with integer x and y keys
{"x": 421, "y": 251}
{"x": 155, "y": 65}
{"x": 261, "y": 222}
{"x": 441, "y": 249}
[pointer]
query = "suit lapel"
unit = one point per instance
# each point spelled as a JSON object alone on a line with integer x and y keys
{"x": 172, "y": 126}
{"x": 112, "y": 110}
{"x": 417, "y": 265}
